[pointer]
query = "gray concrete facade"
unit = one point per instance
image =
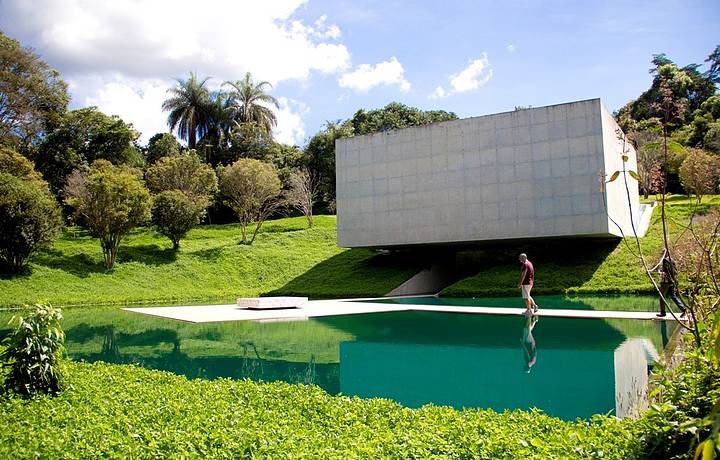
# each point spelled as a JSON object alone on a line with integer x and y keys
{"x": 530, "y": 173}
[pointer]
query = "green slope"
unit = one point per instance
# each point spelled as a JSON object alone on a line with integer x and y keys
{"x": 210, "y": 267}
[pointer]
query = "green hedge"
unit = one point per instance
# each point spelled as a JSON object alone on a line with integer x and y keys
{"x": 116, "y": 411}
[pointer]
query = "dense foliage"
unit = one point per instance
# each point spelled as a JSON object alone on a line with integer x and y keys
{"x": 33, "y": 352}
{"x": 114, "y": 411}
{"x": 29, "y": 220}
{"x": 161, "y": 145}
{"x": 83, "y": 136}
{"x": 33, "y": 97}
{"x": 111, "y": 201}
{"x": 174, "y": 213}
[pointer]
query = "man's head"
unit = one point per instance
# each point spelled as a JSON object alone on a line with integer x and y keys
{"x": 522, "y": 257}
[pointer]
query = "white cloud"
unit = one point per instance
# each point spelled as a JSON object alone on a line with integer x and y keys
{"x": 438, "y": 93}
{"x": 162, "y": 39}
{"x": 290, "y": 128}
{"x": 135, "y": 101}
{"x": 366, "y": 76}
{"x": 123, "y": 55}
{"x": 476, "y": 74}
{"x": 511, "y": 48}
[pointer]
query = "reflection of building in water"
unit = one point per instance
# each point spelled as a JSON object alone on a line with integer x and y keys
{"x": 632, "y": 359}
{"x": 569, "y": 384}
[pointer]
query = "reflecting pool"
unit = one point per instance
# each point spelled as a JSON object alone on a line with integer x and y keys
{"x": 567, "y": 367}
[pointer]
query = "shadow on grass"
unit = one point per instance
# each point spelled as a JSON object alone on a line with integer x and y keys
{"x": 81, "y": 265}
{"x": 560, "y": 264}
{"x": 355, "y": 272}
{"x": 148, "y": 254}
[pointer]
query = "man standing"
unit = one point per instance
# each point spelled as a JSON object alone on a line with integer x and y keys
{"x": 527, "y": 279}
{"x": 668, "y": 277}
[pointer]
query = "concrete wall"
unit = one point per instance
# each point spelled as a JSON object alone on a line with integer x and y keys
{"x": 523, "y": 174}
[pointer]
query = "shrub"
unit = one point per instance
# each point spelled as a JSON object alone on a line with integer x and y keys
{"x": 699, "y": 173}
{"x": 33, "y": 351}
{"x": 29, "y": 220}
{"x": 162, "y": 145}
{"x": 13, "y": 163}
{"x": 185, "y": 173}
{"x": 111, "y": 200}
{"x": 174, "y": 214}
{"x": 251, "y": 188}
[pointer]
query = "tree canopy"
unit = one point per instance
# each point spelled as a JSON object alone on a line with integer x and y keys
{"x": 33, "y": 97}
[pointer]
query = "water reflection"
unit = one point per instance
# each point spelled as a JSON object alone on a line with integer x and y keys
{"x": 528, "y": 343}
{"x": 588, "y": 366}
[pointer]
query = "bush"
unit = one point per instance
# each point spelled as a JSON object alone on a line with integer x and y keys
{"x": 185, "y": 173}
{"x": 29, "y": 220}
{"x": 121, "y": 411}
{"x": 13, "y": 163}
{"x": 699, "y": 173}
{"x": 687, "y": 394}
{"x": 174, "y": 214}
{"x": 111, "y": 200}
{"x": 33, "y": 351}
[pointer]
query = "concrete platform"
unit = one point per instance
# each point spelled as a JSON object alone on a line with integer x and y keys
{"x": 318, "y": 308}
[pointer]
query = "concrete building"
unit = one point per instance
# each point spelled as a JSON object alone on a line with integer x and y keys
{"x": 531, "y": 173}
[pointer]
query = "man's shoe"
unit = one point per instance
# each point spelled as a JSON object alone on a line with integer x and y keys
{"x": 536, "y": 308}
{"x": 683, "y": 313}
{"x": 660, "y": 315}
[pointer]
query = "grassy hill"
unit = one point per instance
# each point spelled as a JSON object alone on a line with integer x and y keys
{"x": 210, "y": 267}
{"x": 580, "y": 266}
{"x": 289, "y": 259}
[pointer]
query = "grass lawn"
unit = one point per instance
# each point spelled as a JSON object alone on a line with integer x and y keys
{"x": 210, "y": 267}
{"x": 573, "y": 267}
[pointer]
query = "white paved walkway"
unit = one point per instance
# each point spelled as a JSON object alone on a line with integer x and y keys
{"x": 316, "y": 308}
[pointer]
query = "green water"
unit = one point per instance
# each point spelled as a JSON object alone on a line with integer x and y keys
{"x": 559, "y": 302}
{"x": 414, "y": 358}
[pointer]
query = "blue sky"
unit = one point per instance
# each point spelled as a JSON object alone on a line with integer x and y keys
{"x": 327, "y": 59}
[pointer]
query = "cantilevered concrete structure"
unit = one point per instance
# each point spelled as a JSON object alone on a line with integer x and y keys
{"x": 532, "y": 173}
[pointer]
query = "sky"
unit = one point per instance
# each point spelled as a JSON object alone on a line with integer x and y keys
{"x": 326, "y": 59}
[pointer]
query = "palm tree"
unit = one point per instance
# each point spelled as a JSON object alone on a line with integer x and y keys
{"x": 250, "y": 103}
{"x": 190, "y": 108}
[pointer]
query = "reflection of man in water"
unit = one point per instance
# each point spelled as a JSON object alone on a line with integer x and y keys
{"x": 528, "y": 343}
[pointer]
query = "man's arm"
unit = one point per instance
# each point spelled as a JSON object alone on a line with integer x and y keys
{"x": 522, "y": 275}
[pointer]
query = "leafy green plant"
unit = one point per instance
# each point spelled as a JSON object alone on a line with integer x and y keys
{"x": 33, "y": 352}
{"x": 122, "y": 411}
{"x": 29, "y": 220}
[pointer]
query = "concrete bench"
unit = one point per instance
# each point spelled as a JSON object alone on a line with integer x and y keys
{"x": 271, "y": 303}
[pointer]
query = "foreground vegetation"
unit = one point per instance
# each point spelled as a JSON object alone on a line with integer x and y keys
{"x": 581, "y": 267}
{"x": 114, "y": 411}
{"x": 286, "y": 258}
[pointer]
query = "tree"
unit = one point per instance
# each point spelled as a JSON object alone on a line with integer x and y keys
{"x": 162, "y": 145}
{"x": 251, "y": 188}
{"x": 174, "y": 213}
{"x": 29, "y": 220}
{"x": 320, "y": 153}
{"x": 249, "y": 103}
{"x": 700, "y": 173}
{"x": 303, "y": 193}
{"x": 33, "y": 97}
{"x": 190, "y": 110}
{"x": 186, "y": 173}
{"x": 112, "y": 201}
{"x": 395, "y": 116}
{"x": 646, "y": 140}
{"x": 83, "y": 136}
{"x": 13, "y": 163}
{"x": 184, "y": 187}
